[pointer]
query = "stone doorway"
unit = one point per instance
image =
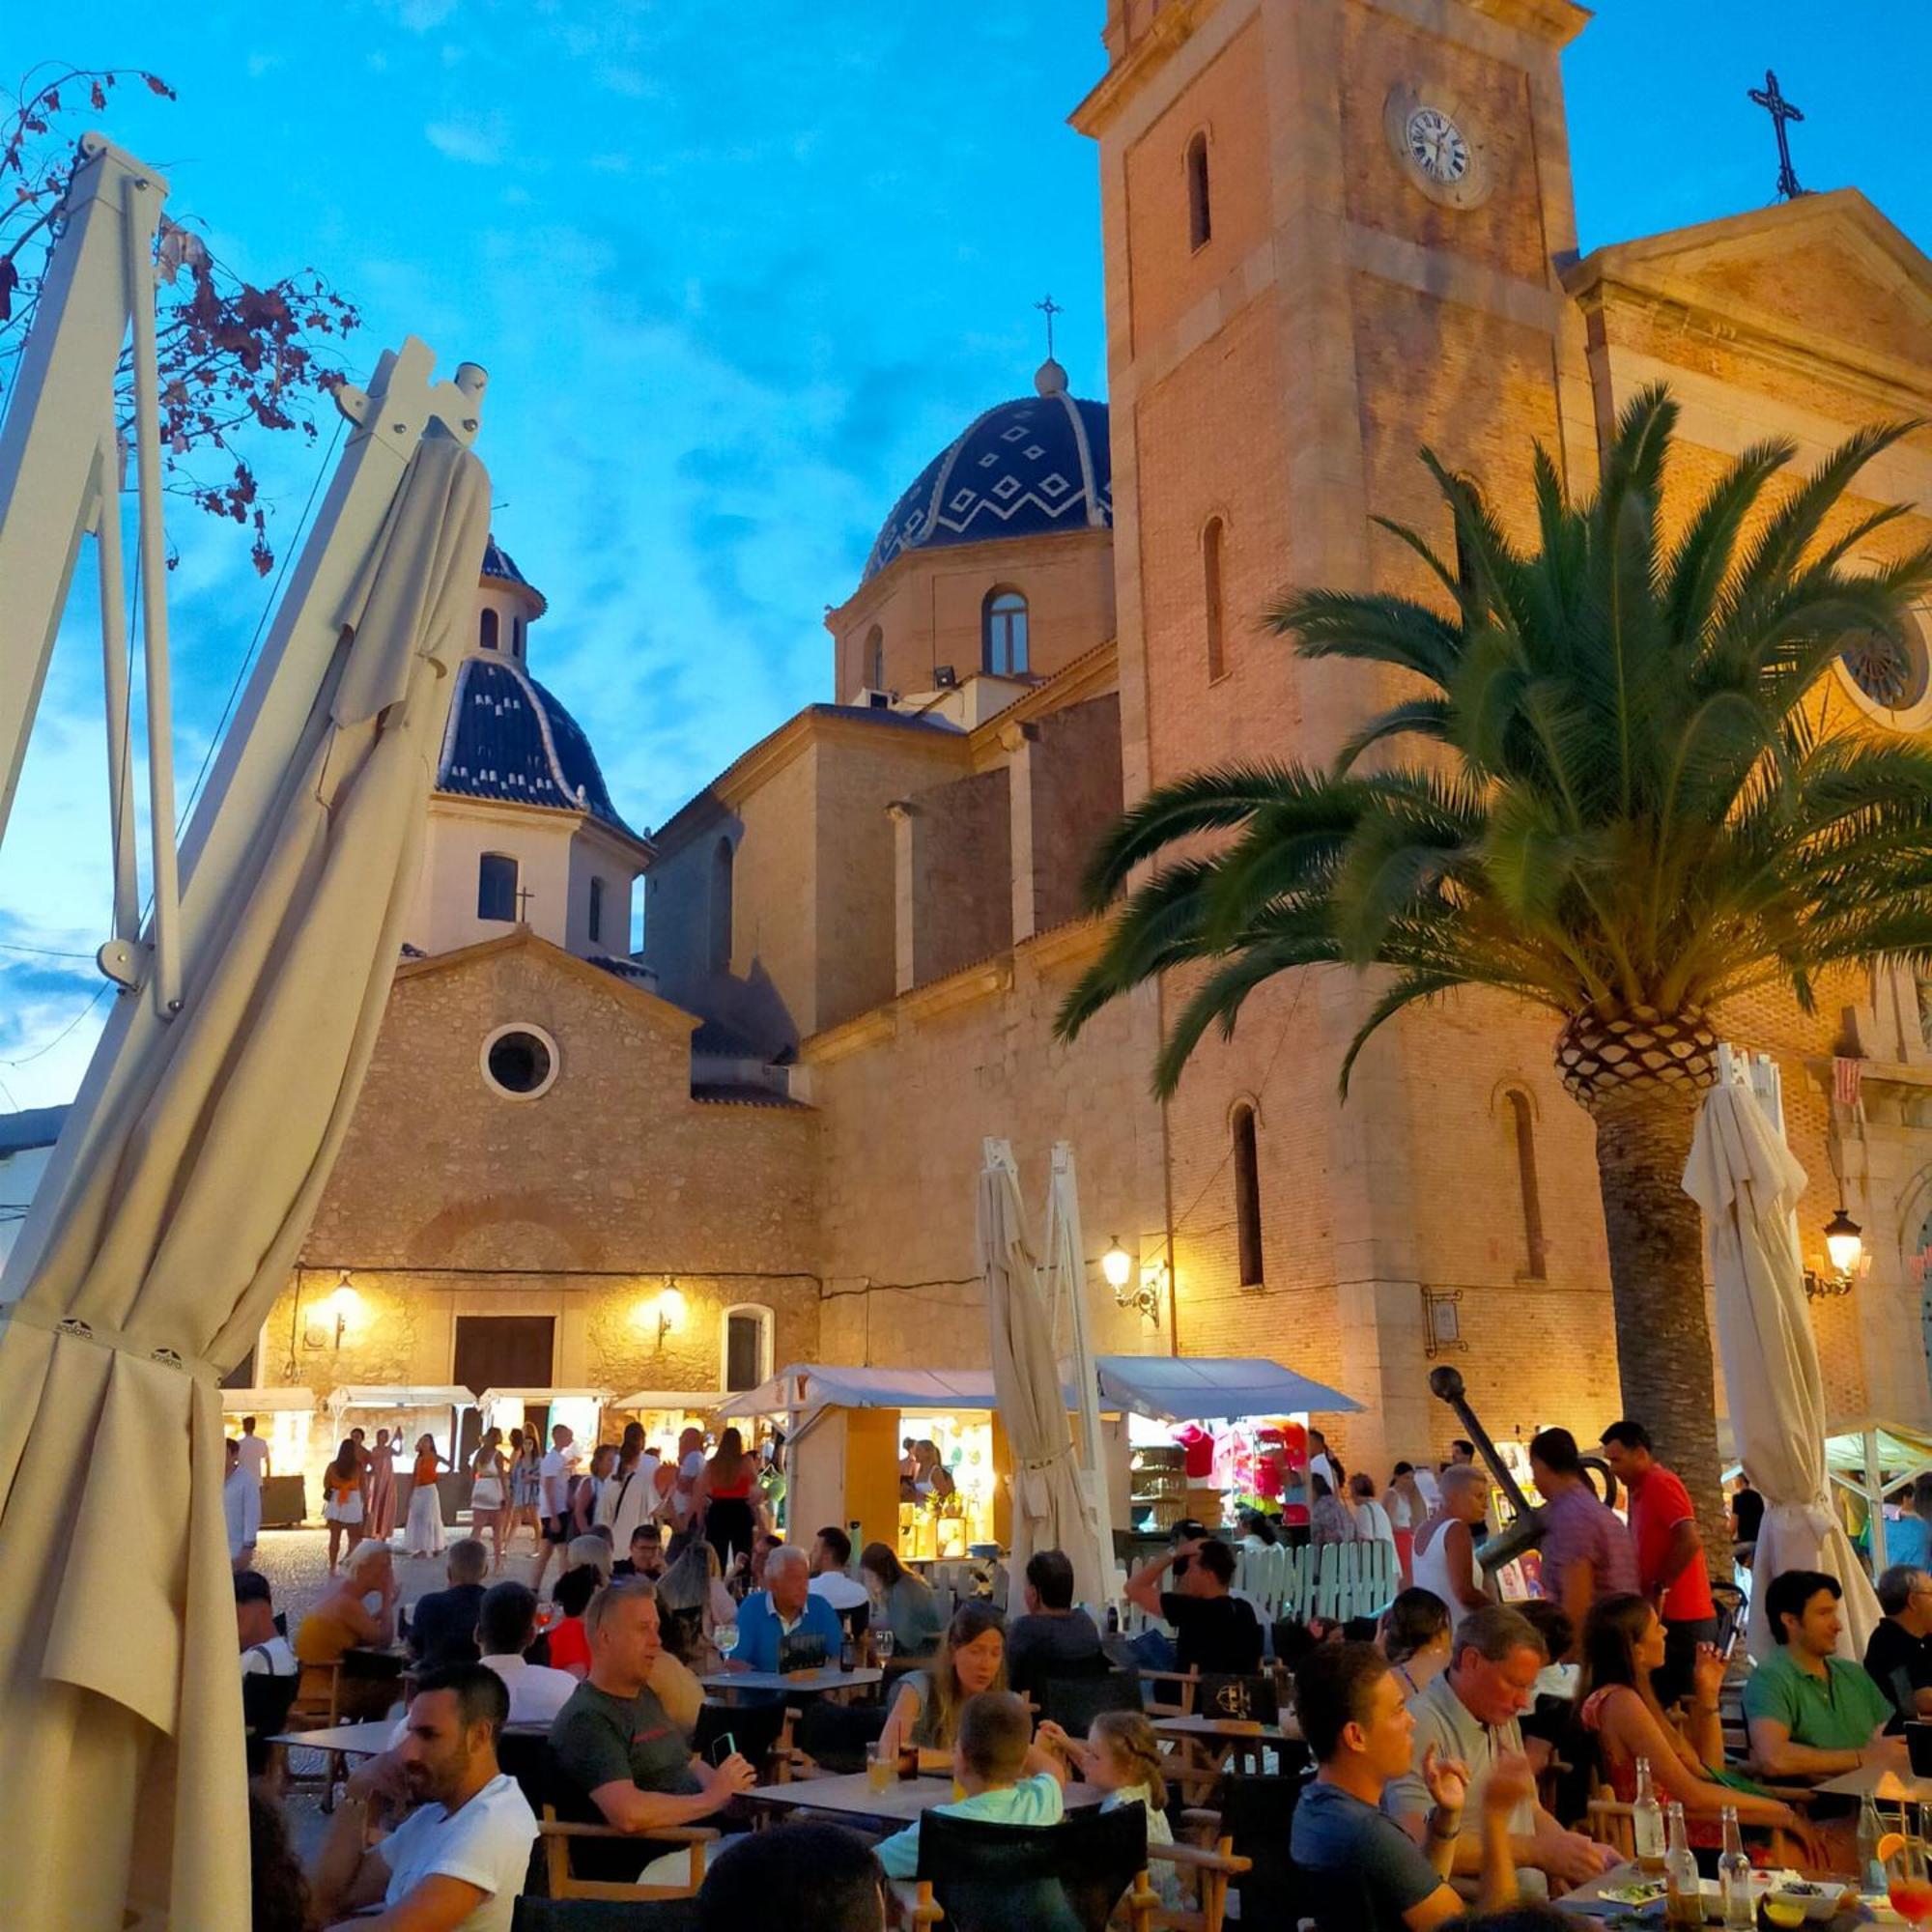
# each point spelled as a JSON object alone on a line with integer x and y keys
{"x": 503, "y": 1351}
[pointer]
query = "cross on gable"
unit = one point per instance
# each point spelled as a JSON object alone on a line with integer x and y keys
{"x": 1773, "y": 102}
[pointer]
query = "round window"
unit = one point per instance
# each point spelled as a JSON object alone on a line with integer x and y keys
{"x": 1890, "y": 677}
{"x": 519, "y": 1061}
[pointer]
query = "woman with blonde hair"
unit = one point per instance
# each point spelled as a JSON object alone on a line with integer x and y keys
{"x": 972, "y": 1659}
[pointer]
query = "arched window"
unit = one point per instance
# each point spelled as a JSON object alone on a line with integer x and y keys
{"x": 488, "y": 630}
{"x": 1210, "y": 594}
{"x": 1247, "y": 1197}
{"x": 875, "y": 672}
{"x": 596, "y": 912}
{"x": 748, "y": 1346}
{"x": 720, "y": 906}
{"x": 1200, "y": 218}
{"x": 497, "y": 885}
{"x": 1524, "y": 1127}
{"x": 1003, "y": 633}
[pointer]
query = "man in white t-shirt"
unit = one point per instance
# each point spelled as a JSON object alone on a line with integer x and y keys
{"x": 264, "y": 1649}
{"x": 690, "y": 1472}
{"x": 456, "y": 1861}
{"x": 831, "y": 1575}
{"x": 254, "y": 1452}
{"x": 553, "y": 1474}
{"x": 506, "y": 1628}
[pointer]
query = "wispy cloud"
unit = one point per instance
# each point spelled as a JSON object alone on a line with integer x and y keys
{"x": 478, "y": 140}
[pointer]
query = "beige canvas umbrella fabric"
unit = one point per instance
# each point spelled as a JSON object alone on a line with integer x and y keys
{"x": 121, "y": 1795}
{"x": 1744, "y": 1176}
{"x": 1049, "y": 1507}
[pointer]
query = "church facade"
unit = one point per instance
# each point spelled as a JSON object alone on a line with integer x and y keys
{"x": 1333, "y": 232}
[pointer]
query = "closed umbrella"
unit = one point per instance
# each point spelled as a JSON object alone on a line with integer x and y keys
{"x": 1744, "y": 1178}
{"x": 1050, "y": 1507}
{"x": 121, "y": 1795}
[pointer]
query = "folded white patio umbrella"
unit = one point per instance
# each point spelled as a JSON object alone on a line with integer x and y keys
{"x": 1051, "y": 1510}
{"x": 121, "y": 1795}
{"x": 1745, "y": 1180}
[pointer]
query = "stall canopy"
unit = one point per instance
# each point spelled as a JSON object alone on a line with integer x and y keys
{"x": 698, "y": 1401}
{"x": 1185, "y": 1388}
{"x": 400, "y": 1396}
{"x": 266, "y": 1402}
{"x": 1212, "y": 1388}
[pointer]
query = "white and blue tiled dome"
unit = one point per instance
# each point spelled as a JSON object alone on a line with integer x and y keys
{"x": 1028, "y": 468}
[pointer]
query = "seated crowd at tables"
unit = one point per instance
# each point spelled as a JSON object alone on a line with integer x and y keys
{"x": 1423, "y": 1805}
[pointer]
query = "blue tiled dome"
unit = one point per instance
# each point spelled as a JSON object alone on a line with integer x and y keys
{"x": 497, "y": 562}
{"x": 509, "y": 738}
{"x": 1025, "y": 468}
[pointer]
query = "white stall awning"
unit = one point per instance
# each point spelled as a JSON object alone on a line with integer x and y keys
{"x": 491, "y": 1395}
{"x": 1207, "y": 1388}
{"x": 400, "y": 1395}
{"x": 698, "y": 1401}
{"x": 1185, "y": 1388}
{"x": 266, "y": 1401}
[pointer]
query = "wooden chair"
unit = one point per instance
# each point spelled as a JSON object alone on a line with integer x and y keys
{"x": 557, "y": 1837}
{"x": 1177, "y": 1702}
{"x": 1211, "y": 1871}
{"x": 604, "y": 1915}
{"x": 1081, "y": 1875}
{"x": 317, "y": 1707}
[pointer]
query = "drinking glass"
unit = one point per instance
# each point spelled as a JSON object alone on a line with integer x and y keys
{"x": 882, "y": 1643}
{"x": 1909, "y": 1883}
{"x": 725, "y": 1638}
{"x": 881, "y": 1767}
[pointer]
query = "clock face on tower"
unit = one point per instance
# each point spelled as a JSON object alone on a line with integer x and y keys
{"x": 1436, "y": 146}
{"x": 1440, "y": 143}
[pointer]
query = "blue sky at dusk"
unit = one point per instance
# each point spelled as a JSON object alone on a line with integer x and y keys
{"x": 736, "y": 271}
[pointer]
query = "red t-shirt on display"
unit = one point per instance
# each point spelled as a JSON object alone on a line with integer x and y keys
{"x": 1656, "y": 1506}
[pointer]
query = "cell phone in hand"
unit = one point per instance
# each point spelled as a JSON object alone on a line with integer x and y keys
{"x": 719, "y": 1749}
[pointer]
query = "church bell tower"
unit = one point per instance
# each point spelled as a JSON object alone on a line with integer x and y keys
{"x": 1333, "y": 232}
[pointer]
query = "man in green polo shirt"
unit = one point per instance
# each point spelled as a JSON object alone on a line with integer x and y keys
{"x": 1814, "y": 1713}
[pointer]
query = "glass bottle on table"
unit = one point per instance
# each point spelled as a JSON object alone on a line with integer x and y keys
{"x": 1647, "y": 1824}
{"x": 1683, "y": 1891}
{"x": 1734, "y": 1875}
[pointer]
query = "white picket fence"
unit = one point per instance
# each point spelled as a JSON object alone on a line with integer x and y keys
{"x": 1352, "y": 1579}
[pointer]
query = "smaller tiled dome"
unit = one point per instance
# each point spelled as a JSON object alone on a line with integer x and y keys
{"x": 1027, "y": 467}
{"x": 500, "y": 565}
{"x": 509, "y": 738}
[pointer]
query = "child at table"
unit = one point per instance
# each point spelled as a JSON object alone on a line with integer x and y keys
{"x": 1005, "y": 1777}
{"x": 1122, "y": 1758}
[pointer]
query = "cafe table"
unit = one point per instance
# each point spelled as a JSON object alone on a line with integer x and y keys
{"x": 368, "y": 1739}
{"x": 1593, "y": 1901}
{"x": 852, "y": 1798}
{"x": 1877, "y": 1781}
{"x": 818, "y": 1683}
{"x": 1212, "y": 1744}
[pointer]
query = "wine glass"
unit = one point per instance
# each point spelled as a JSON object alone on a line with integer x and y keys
{"x": 882, "y": 1643}
{"x": 1909, "y": 1883}
{"x": 725, "y": 1638}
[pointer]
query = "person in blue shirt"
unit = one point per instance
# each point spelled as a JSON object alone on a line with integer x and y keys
{"x": 1007, "y": 1779}
{"x": 785, "y": 1627}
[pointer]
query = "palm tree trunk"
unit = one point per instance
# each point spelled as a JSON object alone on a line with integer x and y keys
{"x": 1657, "y": 1284}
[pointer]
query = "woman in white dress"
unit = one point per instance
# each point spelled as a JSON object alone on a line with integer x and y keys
{"x": 489, "y": 1493}
{"x": 342, "y": 1500}
{"x": 422, "y": 1535}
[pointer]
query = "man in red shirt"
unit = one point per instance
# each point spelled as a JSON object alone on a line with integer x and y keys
{"x": 1670, "y": 1555}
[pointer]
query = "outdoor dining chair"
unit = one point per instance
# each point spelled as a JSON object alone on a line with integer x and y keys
{"x": 1074, "y": 1876}
{"x": 1075, "y": 1701}
{"x": 561, "y": 1880}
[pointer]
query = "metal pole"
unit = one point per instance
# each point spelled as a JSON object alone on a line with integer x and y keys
{"x": 114, "y": 673}
{"x": 1875, "y": 1502}
{"x": 140, "y": 266}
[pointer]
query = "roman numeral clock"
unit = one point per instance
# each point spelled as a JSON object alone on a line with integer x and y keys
{"x": 1439, "y": 144}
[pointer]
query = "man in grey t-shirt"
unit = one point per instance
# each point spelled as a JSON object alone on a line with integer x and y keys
{"x": 1470, "y": 1713}
{"x": 1360, "y": 1872}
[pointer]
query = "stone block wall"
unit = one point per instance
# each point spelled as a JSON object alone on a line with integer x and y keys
{"x": 954, "y": 869}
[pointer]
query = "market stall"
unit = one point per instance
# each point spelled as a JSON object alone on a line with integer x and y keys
{"x": 284, "y": 1419}
{"x": 847, "y": 1429}
{"x": 409, "y": 1412}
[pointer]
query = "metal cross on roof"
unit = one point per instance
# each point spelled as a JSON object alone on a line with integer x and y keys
{"x": 1780, "y": 111}
{"x": 1049, "y": 308}
{"x": 523, "y": 897}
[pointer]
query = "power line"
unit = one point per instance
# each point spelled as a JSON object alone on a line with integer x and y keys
{"x": 42, "y": 951}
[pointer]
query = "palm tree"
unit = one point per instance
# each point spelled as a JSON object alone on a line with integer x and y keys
{"x": 1625, "y": 809}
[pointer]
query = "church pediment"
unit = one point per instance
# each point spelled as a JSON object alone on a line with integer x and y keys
{"x": 1828, "y": 274}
